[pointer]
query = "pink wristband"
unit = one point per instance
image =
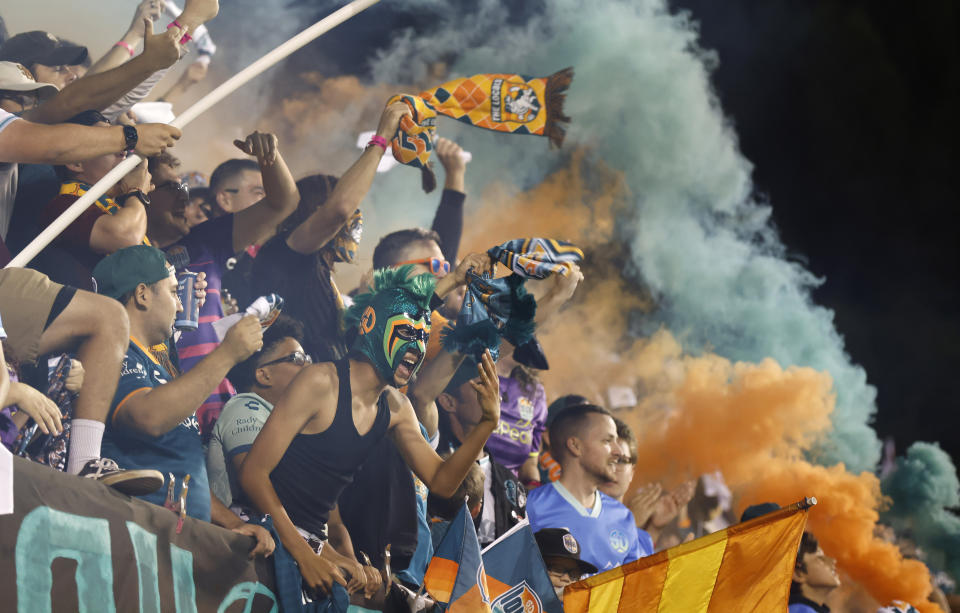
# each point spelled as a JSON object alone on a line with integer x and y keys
{"x": 186, "y": 38}
{"x": 379, "y": 141}
{"x": 126, "y": 46}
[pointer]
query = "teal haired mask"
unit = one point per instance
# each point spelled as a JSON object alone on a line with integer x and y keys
{"x": 392, "y": 320}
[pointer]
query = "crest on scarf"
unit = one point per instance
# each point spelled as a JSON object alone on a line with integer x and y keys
{"x": 520, "y": 599}
{"x": 513, "y": 101}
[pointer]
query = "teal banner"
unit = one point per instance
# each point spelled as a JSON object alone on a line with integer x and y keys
{"x": 72, "y": 544}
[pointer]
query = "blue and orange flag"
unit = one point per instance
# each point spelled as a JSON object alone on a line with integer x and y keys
{"x": 746, "y": 567}
{"x": 455, "y": 577}
{"x": 516, "y": 575}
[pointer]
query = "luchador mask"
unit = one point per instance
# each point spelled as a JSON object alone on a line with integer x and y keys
{"x": 393, "y": 333}
{"x": 347, "y": 241}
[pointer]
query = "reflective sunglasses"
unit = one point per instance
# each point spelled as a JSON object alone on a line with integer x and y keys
{"x": 437, "y": 266}
{"x": 297, "y": 357}
{"x": 179, "y": 188}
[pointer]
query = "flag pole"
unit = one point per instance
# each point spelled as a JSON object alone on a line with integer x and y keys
{"x": 225, "y": 89}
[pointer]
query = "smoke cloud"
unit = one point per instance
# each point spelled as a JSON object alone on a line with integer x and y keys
{"x": 699, "y": 240}
{"x": 756, "y": 422}
{"x": 923, "y": 487}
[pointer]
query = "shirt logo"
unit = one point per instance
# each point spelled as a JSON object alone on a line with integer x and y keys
{"x": 619, "y": 541}
{"x": 525, "y": 407}
{"x": 518, "y": 599}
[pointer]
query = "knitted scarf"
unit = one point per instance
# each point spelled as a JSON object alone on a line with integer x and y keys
{"x": 501, "y": 102}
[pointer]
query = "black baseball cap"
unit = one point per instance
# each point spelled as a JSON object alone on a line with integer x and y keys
{"x": 559, "y": 543}
{"x": 563, "y": 402}
{"x": 39, "y": 47}
{"x": 756, "y": 510}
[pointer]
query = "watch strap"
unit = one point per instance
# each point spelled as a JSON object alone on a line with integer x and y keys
{"x": 138, "y": 194}
{"x": 130, "y": 138}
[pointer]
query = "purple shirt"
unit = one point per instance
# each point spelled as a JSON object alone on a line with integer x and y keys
{"x": 523, "y": 417}
{"x": 206, "y": 249}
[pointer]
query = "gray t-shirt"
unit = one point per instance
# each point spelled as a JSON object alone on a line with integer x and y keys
{"x": 8, "y": 181}
{"x": 241, "y": 419}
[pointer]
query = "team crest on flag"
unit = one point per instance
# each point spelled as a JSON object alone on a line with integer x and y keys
{"x": 518, "y": 599}
{"x": 517, "y": 579}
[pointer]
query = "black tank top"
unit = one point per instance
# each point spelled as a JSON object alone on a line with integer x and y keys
{"x": 316, "y": 467}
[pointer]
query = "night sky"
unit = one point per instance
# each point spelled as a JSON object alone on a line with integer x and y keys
{"x": 848, "y": 110}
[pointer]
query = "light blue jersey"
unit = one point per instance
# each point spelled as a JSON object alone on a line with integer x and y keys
{"x": 607, "y": 532}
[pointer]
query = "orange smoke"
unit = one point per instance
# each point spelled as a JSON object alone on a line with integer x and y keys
{"x": 695, "y": 414}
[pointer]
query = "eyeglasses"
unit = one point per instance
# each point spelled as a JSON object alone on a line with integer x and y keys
{"x": 297, "y": 357}
{"x": 179, "y": 188}
{"x": 436, "y": 265}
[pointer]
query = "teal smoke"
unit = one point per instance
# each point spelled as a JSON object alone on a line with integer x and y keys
{"x": 924, "y": 486}
{"x": 701, "y": 240}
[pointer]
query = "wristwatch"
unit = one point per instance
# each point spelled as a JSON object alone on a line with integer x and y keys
{"x": 142, "y": 197}
{"x": 130, "y": 138}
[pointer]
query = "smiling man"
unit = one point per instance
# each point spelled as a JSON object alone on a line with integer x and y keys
{"x": 584, "y": 442}
{"x": 814, "y": 578}
{"x": 334, "y": 413}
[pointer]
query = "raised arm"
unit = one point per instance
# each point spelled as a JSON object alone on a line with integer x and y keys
{"x": 120, "y": 53}
{"x": 257, "y": 223}
{"x": 443, "y": 477}
{"x": 26, "y": 142}
{"x": 158, "y": 410}
{"x": 326, "y": 221}
{"x": 448, "y": 220}
{"x": 99, "y": 91}
{"x": 314, "y": 386}
{"x": 559, "y": 293}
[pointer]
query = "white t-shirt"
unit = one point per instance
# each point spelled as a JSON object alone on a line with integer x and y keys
{"x": 487, "y": 532}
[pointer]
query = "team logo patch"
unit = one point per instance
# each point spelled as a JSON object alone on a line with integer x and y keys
{"x": 510, "y": 488}
{"x": 570, "y": 544}
{"x": 525, "y": 407}
{"x": 368, "y": 320}
{"x": 619, "y": 541}
{"x": 518, "y": 599}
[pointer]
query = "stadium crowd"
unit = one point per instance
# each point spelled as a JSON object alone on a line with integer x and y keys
{"x": 356, "y": 390}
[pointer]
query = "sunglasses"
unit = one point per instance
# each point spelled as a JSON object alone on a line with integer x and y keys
{"x": 437, "y": 266}
{"x": 297, "y": 357}
{"x": 176, "y": 186}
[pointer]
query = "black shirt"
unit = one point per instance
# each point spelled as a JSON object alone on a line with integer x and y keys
{"x": 315, "y": 468}
{"x": 306, "y": 285}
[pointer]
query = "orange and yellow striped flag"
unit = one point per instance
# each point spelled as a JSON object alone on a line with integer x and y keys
{"x": 746, "y": 567}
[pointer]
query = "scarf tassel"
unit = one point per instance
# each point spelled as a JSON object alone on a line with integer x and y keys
{"x": 428, "y": 180}
{"x": 557, "y": 84}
